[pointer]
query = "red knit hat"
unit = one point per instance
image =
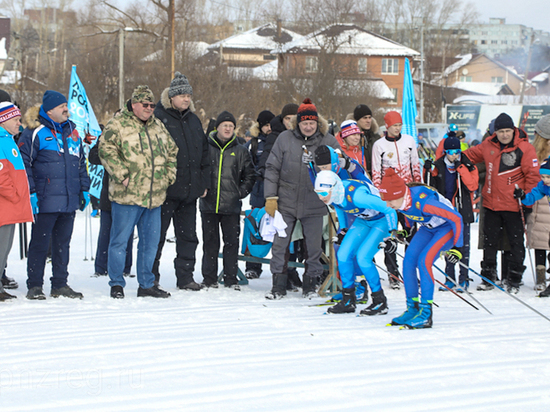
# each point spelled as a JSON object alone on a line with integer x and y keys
{"x": 392, "y": 118}
{"x": 392, "y": 186}
{"x": 307, "y": 111}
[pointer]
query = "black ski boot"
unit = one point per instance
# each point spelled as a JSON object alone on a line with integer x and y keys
{"x": 545, "y": 293}
{"x": 515, "y": 273}
{"x": 379, "y": 305}
{"x": 490, "y": 272}
{"x": 309, "y": 286}
{"x": 278, "y": 291}
{"x": 347, "y": 304}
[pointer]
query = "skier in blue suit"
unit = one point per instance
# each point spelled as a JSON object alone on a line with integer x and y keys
{"x": 373, "y": 222}
{"x": 440, "y": 230}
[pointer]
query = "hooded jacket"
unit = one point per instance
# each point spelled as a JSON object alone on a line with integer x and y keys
{"x": 371, "y": 136}
{"x": 144, "y": 152}
{"x": 232, "y": 176}
{"x": 15, "y": 201}
{"x": 287, "y": 177}
{"x": 515, "y": 163}
{"x": 55, "y": 162}
{"x": 193, "y": 162}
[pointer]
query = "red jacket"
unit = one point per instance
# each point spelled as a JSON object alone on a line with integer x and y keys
{"x": 353, "y": 152}
{"x": 515, "y": 164}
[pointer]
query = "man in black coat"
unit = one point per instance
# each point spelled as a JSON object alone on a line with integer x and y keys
{"x": 175, "y": 110}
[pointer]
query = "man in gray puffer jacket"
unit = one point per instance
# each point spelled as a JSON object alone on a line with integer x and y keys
{"x": 288, "y": 188}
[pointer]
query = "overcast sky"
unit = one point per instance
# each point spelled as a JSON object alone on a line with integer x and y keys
{"x": 531, "y": 13}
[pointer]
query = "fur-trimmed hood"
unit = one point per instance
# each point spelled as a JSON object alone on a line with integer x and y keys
{"x": 255, "y": 130}
{"x": 322, "y": 123}
{"x": 30, "y": 119}
{"x": 167, "y": 104}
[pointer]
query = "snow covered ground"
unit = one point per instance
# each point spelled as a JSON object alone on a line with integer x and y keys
{"x": 223, "y": 350}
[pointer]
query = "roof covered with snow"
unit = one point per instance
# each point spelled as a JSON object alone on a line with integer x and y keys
{"x": 469, "y": 58}
{"x": 260, "y": 38}
{"x": 484, "y": 88}
{"x": 506, "y": 100}
{"x": 348, "y": 39}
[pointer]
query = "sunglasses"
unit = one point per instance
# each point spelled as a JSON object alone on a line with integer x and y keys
{"x": 146, "y": 105}
{"x": 453, "y": 151}
{"x": 322, "y": 193}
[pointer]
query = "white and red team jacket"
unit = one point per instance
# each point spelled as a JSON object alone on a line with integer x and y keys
{"x": 399, "y": 153}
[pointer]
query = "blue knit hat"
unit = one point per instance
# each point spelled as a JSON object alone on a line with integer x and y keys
{"x": 52, "y": 99}
{"x": 545, "y": 167}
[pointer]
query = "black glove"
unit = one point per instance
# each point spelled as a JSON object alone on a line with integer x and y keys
{"x": 519, "y": 193}
{"x": 337, "y": 240}
{"x": 428, "y": 164}
{"x": 453, "y": 256}
{"x": 526, "y": 210}
{"x": 400, "y": 235}
{"x": 457, "y": 164}
{"x": 389, "y": 245}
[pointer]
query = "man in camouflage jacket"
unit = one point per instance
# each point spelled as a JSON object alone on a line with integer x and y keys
{"x": 140, "y": 156}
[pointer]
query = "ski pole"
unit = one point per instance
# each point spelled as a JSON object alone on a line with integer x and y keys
{"x": 526, "y": 240}
{"x": 505, "y": 291}
{"x": 465, "y": 289}
{"x": 394, "y": 277}
{"x": 446, "y": 287}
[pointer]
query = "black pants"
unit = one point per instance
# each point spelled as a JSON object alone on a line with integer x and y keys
{"x": 493, "y": 221}
{"x": 184, "y": 215}
{"x": 231, "y": 229}
{"x": 58, "y": 227}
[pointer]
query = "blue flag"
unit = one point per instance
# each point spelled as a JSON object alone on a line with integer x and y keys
{"x": 409, "y": 104}
{"x": 83, "y": 116}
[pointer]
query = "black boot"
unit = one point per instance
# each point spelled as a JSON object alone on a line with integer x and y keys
{"x": 293, "y": 281}
{"x": 279, "y": 286}
{"x": 515, "y": 273}
{"x": 490, "y": 272}
{"x": 379, "y": 305}
{"x": 347, "y": 304}
{"x": 545, "y": 293}
{"x": 308, "y": 286}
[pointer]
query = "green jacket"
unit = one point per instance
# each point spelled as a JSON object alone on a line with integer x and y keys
{"x": 144, "y": 152}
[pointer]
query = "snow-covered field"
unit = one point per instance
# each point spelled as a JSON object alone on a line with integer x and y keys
{"x": 223, "y": 350}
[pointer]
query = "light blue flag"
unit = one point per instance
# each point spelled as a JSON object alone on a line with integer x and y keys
{"x": 409, "y": 104}
{"x": 84, "y": 118}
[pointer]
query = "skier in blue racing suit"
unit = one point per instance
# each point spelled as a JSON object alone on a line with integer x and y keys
{"x": 373, "y": 222}
{"x": 440, "y": 230}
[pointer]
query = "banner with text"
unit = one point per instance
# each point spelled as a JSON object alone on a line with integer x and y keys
{"x": 83, "y": 116}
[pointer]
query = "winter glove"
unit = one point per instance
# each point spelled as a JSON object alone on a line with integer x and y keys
{"x": 89, "y": 138}
{"x": 337, "y": 240}
{"x": 307, "y": 157}
{"x": 84, "y": 200}
{"x": 457, "y": 164}
{"x": 519, "y": 193}
{"x": 271, "y": 205}
{"x": 428, "y": 164}
{"x": 453, "y": 256}
{"x": 34, "y": 203}
{"x": 400, "y": 235}
{"x": 389, "y": 245}
{"x": 347, "y": 164}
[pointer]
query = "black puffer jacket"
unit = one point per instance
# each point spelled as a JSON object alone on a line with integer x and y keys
{"x": 193, "y": 163}
{"x": 232, "y": 176}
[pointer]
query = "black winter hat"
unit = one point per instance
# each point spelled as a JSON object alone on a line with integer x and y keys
{"x": 264, "y": 118}
{"x": 322, "y": 155}
{"x": 361, "y": 111}
{"x": 4, "y": 96}
{"x": 451, "y": 142}
{"x": 503, "y": 121}
{"x": 289, "y": 109}
{"x": 179, "y": 85}
{"x": 225, "y": 116}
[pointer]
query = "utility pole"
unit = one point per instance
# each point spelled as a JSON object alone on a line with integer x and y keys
{"x": 121, "y": 68}
{"x": 173, "y": 37}
{"x": 527, "y": 68}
